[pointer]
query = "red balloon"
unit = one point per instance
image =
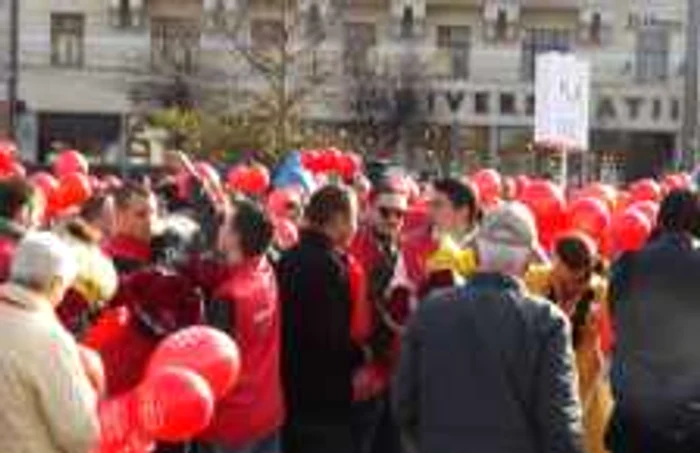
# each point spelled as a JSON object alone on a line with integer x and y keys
{"x": 645, "y": 190}
{"x": 603, "y": 192}
{"x": 46, "y": 183}
{"x": 70, "y": 161}
{"x": 630, "y": 230}
{"x": 489, "y": 183}
{"x": 650, "y": 210}
{"x": 236, "y": 176}
{"x": 207, "y": 351}
{"x": 676, "y": 181}
{"x": 591, "y": 216}
{"x": 521, "y": 183}
{"x": 330, "y": 160}
{"x": 258, "y": 180}
{"x": 174, "y": 404}
{"x": 8, "y": 151}
{"x": 74, "y": 189}
{"x": 546, "y": 201}
{"x": 311, "y": 160}
{"x": 349, "y": 165}
{"x": 118, "y": 421}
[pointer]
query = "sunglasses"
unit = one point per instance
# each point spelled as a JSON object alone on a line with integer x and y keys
{"x": 387, "y": 212}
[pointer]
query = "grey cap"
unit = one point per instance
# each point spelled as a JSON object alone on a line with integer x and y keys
{"x": 511, "y": 224}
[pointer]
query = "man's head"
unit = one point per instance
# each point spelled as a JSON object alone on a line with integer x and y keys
{"x": 136, "y": 211}
{"x": 453, "y": 206}
{"x": 55, "y": 273}
{"x": 680, "y": 213}
{"x": 388, "y": 209}
{"x": 246, "y": 233}
{"x": 99, "y": 212}
{"x": 19, "y": 202}
{"x": 333, "y": 211}
{"x": 507, "y": 240}
{"x": 575, "y": 260}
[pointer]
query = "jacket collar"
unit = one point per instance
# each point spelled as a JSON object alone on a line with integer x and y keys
{"x": 492, "y": 280}
{"x": 122, "y": 246}
{"x": 316, "y": 238}
{"x": 24, "y": 297}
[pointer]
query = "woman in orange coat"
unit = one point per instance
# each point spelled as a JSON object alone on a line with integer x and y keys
{"x": 572, "y": 283}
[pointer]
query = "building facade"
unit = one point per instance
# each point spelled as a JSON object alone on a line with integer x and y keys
{"x": 469, "y": 64}
{"x": 4, "y": 65}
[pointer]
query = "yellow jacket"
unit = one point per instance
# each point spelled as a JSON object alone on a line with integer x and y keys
{"x": 594, "y": 387}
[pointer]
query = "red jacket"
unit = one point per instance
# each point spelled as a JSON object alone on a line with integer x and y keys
{"x": 254, "y": 409}
{"x": 149, "y": 305}
{"x": 372, "y": 378}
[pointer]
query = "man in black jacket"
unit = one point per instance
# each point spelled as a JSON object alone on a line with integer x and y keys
{"x": 318, "y": 356}
{"x": 656, "y": 362}
{"x": 486, "y": 367}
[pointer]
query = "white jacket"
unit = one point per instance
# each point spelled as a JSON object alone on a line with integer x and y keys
{"x": 47, "y": 404}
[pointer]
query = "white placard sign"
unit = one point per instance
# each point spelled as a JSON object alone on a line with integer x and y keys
{"x": 562, "y": 93}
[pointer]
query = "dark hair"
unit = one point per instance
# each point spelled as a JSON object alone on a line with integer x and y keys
{"x": 327, "y": 203}
{"x": 15, "y": 193}
{"x": 253, "y": 226}
{"x": 679, "y": 213}
{"x": 93, "y": 208}
{"x": 126, "y": 193}
{"x": 577, "y": 252}
{"x": 458, "y": 192}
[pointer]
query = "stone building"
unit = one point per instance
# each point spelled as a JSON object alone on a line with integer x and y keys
{"x": 83, "y": 61}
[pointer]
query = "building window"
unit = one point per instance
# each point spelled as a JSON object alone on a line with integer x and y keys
{"x": 502, "y": 25}
{"x": 67, "y": 39}
{"x": 539, "y": 41}
{"x": 358, "y": 39}
{"x": 267, "y": 34}
{"x": 407, "y": 23}
{"x": 530, "y": 105}
{"x": 507, "y": 104}
{"x": 652, "y": 54}
{"x": 596, "y": 28}
{"x": 314, "y": 24}
{"x": 456, "y": 41}
{"x": 481, "y": 103}
{"x": 175, "y": 44}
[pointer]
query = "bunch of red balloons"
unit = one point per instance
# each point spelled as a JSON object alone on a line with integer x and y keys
{"x": 332, "y": 160}
{"x": 251, "y": 180}
{"x": 187, "y": 373}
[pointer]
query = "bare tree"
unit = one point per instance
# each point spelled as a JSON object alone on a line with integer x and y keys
{"x": 387, "y": 101}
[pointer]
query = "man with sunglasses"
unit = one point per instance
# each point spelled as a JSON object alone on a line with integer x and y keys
{"x": 377, "y": 248}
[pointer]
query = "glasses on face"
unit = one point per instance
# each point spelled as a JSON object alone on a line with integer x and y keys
{"x": 388, "y": 213}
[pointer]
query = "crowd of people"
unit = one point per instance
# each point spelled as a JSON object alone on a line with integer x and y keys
{"x": 382, "y": 317}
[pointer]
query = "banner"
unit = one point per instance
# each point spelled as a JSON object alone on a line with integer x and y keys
{"x": 562, "y": 95}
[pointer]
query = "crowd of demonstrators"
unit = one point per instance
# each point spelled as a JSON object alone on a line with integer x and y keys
{"x": 383, "y": 317}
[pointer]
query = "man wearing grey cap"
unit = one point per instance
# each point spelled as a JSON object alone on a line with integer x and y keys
{"x": 487, "y": 367}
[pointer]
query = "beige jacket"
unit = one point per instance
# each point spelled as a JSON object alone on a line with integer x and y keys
{"x": 47, "y": 404}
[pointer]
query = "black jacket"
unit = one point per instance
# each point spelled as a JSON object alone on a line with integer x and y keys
{"x": 486, "y": 368}
{"x": 656, "y": 365}
{"x": 318, "y": 355}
